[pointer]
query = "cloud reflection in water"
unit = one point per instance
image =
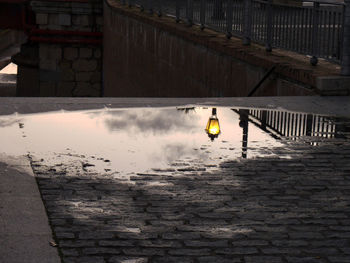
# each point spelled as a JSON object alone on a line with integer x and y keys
{"x": 151, "y": 121}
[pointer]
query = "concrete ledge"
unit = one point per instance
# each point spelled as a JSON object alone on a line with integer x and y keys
{"x": 333, "y": 85}
{"x": 24, "y": 230}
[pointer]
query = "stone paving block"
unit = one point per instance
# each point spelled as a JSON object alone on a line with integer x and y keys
{"x": 170, "y": 259}
{"x": 117, "y": 243}
{"x": 249, "y": 243}
{"x": 303, "y": 259}
{"x": 143, "y": 252}
{"x": 346, "y": 250}
{"x": 100, "y": 250}
{"x": 181, "y": 235}
{"x": 70, "y": 252}
{"x": 212, "y": 259}
{"x": 65, "y": 235}
{"x": 197, "y": 243}
{"x": 339, "y": 259}
{"x": 90, "y": 259}
{"x": 189, "y": 252}
{"x": 159, "y": 243}
{"x": 76, "y": 244}
{"x": 237, "y": 251}
{"x": 119, "y": 259}
{"x": 290, "y": 243}
{"x": 263, "y": 259}
{"x": 96, "y": 235}
{"x": 321, "y": 250}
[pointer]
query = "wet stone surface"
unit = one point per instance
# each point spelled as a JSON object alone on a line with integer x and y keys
{"x": 274, "y": 186}
{"x": 269, "y": 209}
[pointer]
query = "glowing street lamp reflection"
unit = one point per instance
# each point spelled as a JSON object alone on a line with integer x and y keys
{"x": 213, "y": 127}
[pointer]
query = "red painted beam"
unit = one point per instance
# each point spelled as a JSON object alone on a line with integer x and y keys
{"x": 13, "y": 1}
{"x": 36, "y": 31}
{"x": 58, "y": 40}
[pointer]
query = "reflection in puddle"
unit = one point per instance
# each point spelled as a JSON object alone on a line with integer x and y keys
{"x": 125, "y": 142}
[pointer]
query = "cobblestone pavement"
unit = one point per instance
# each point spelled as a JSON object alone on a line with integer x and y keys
{"x": 291, "y": 208}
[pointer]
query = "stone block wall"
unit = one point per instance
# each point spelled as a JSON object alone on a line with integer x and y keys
{"x": 69, "y": 15}
{"x": 67, "y": 68}
{"x": 70, "y": 70}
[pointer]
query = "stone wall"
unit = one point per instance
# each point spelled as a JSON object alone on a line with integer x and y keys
{"x": 64, "y": 68}
{"x": 148, "y": 56}
{"x": 70, "y": 70}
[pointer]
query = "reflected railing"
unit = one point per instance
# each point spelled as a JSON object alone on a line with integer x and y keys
{"x": 292, "y": 124}
{"x": 280, "y": 124}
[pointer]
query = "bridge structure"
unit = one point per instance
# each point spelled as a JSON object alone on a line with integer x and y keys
{"x": 62, "y": 54}
{"x": 177, "y": 48}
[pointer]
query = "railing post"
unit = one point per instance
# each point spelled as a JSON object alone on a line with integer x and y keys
{"x": 202, "y": 13}
{"x": 142, "y": 5}
{"x": 189, "y": 12}
{"x": 247, "y": 22}
{"x": 309, "y": 125}
{"x": 269, "y": 25}
{"x": 160, "y": 11}
{"x": 229, "y": 18}
{"x": 177, "y": 11}
{"x": 150, "y": 7}
{"x": 218, "y": 12}
{"x": 315, "y": 23}
{"x": 345, "y": 60}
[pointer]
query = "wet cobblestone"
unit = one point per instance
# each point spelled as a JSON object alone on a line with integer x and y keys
{"x": 291, "y": 208}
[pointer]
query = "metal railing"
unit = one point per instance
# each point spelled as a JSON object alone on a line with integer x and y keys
{"x": 311, "y": 28}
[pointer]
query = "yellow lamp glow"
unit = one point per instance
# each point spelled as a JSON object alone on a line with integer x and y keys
{"x": 213, "y": 126}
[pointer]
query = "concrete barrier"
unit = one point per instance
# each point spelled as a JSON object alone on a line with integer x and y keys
{"x": 145, "y": 55}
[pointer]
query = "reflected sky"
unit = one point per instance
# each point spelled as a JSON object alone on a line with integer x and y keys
{"x": 129, "y": 141}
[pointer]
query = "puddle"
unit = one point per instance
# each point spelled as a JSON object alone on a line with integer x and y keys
{"x": 125, "y": 142}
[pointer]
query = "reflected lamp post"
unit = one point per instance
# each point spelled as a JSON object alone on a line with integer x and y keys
{"x": 213, "y": 126}
{"x": 243, "y": 123}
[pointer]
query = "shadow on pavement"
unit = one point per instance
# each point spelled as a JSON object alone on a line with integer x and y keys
{"x": 294, "y": 208}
